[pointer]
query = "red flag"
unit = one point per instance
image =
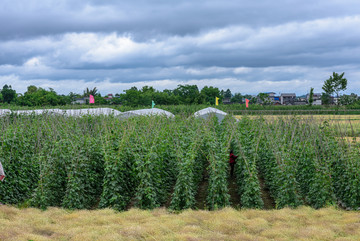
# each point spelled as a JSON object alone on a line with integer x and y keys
{"x": 247, "y": 103}
{"x": 91, "y": 100}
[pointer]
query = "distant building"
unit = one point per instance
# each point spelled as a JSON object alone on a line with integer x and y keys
{"x": 277, "y": 100}
{"x": 109, "y": 97}
{"x": 287, "y": 98}
{"x": 271, "y": 96}
{"x": 226, "y": 101}
{"x": 316, "y": 98}
{"x": 80, "y": 101}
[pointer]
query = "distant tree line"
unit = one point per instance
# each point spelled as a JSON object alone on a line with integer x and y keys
{"x": 182, "y": 95}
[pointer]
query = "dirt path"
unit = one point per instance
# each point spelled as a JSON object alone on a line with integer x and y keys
{"x": 234, "y": 196}
{"x": 269, "y": 202}
{"x": 202, "y": 191}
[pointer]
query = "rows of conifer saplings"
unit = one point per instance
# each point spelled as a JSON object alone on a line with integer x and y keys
{"x": 148, "y": 162}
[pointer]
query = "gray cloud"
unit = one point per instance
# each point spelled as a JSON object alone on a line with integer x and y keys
{"x": 113, "y": 44}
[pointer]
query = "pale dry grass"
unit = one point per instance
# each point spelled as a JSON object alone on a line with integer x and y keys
{"x": 355, "y": 118}
{"x": 303, "y": 223}
{"x": 344, "y": 125}
{"x": 350, "y": 139}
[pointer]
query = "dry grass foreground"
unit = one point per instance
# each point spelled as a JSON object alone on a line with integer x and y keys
{"x": 303, "y": 223}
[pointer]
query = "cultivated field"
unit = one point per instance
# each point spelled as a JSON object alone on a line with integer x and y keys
{"x": 178, "y": 163}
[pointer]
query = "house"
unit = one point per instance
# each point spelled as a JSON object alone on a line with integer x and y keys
{"x": 316, "y": 98}
{"x": 271, "y": 96}
{"x": 287, "y": 98}
{"x": 277, "y": 100}
{"x": 109, "y": 97}
{"x": 80, "y": 101}
{"x": 226, "y": 101}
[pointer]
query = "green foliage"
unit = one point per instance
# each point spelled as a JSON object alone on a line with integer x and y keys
{"x": 88, "y": 92}
{"x": 189, "y": 168}
{"x": 246, "y": 145}
{"x": 311, "y": 96}
{"x": 209, "y": 94}
{"x": 18, "y": 155}
{"x": 277, "y": 166}
{"x": 54, "y": 158}
{"x": 85, "y": 172}
{"x": 218, "y": 143}
{"x": 348, "y": 99}
{"x": 227, "y": 93}
{"x": 264, "y": 98}
{"x": 237, "y": 98}
{"x": 148, "y": 162}
{"x": 8, "y": 94}
{"x": 40, "y": 97}
{"x": 335, "y": 83}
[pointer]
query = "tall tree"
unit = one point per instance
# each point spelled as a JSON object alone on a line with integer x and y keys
{"x": 210, "y": 93}
{"x": 227, "y": 93}
{"x": 237, "y": 98}
{"x": 264, "y": 98}
{"x": 189, "y": 94}
{"x": 311, "y": 96}
{"x": 335, "y": 83}
{"x": 8, "y": 94}
{"x": 92, "y": 92}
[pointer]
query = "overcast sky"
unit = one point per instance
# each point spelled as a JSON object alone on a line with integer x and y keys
{"x": 247, "y": 46}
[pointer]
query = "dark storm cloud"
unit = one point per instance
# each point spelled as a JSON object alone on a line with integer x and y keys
{"x": 275, "y": 44}
{"x": 33, "y": 18}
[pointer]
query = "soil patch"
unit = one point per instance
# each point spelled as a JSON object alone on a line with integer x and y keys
{"x": 233, "y": 192}
{"x": 202, "y": 191}
{"x": 269, "y": 202}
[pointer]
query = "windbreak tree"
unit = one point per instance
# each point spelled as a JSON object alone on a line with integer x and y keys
{"x": 227, "y": 93}
{"x": 311, "y": 96}
{"x": 188, "y": 94}
{"x": 237, "y": 98}
{"x": 210, "y": 93}
{"x": 40, "y": 97}
{"x": 334, "y": 84}
{"x": 8, "y": 94}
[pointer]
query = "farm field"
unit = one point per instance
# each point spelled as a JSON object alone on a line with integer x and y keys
{"x": 346, "y": 127}
{"x": 177, "y": 163}
{"x": 154, "y": 170}
{"x": 303, "y": 223}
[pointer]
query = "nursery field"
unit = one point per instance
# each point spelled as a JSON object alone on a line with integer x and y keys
{"x": 176, "y": 163}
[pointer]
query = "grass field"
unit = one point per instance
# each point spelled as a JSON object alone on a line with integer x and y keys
{"x": 303, "y": 223}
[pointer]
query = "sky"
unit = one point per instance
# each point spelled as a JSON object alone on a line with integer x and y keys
{"x": 282, "y": 46}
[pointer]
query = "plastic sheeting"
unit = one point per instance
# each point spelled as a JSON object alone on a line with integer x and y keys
{"x": 4, "y": 112}
{"x": 36, "y": 112}
{"x": 205, "y": 113}
{"x": 68, "y": 112}
{"x": 146, "y": 112}
{"x": 91, "y": 111}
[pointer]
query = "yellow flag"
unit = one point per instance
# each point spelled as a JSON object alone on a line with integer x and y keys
{"x": 216, "y": 101}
